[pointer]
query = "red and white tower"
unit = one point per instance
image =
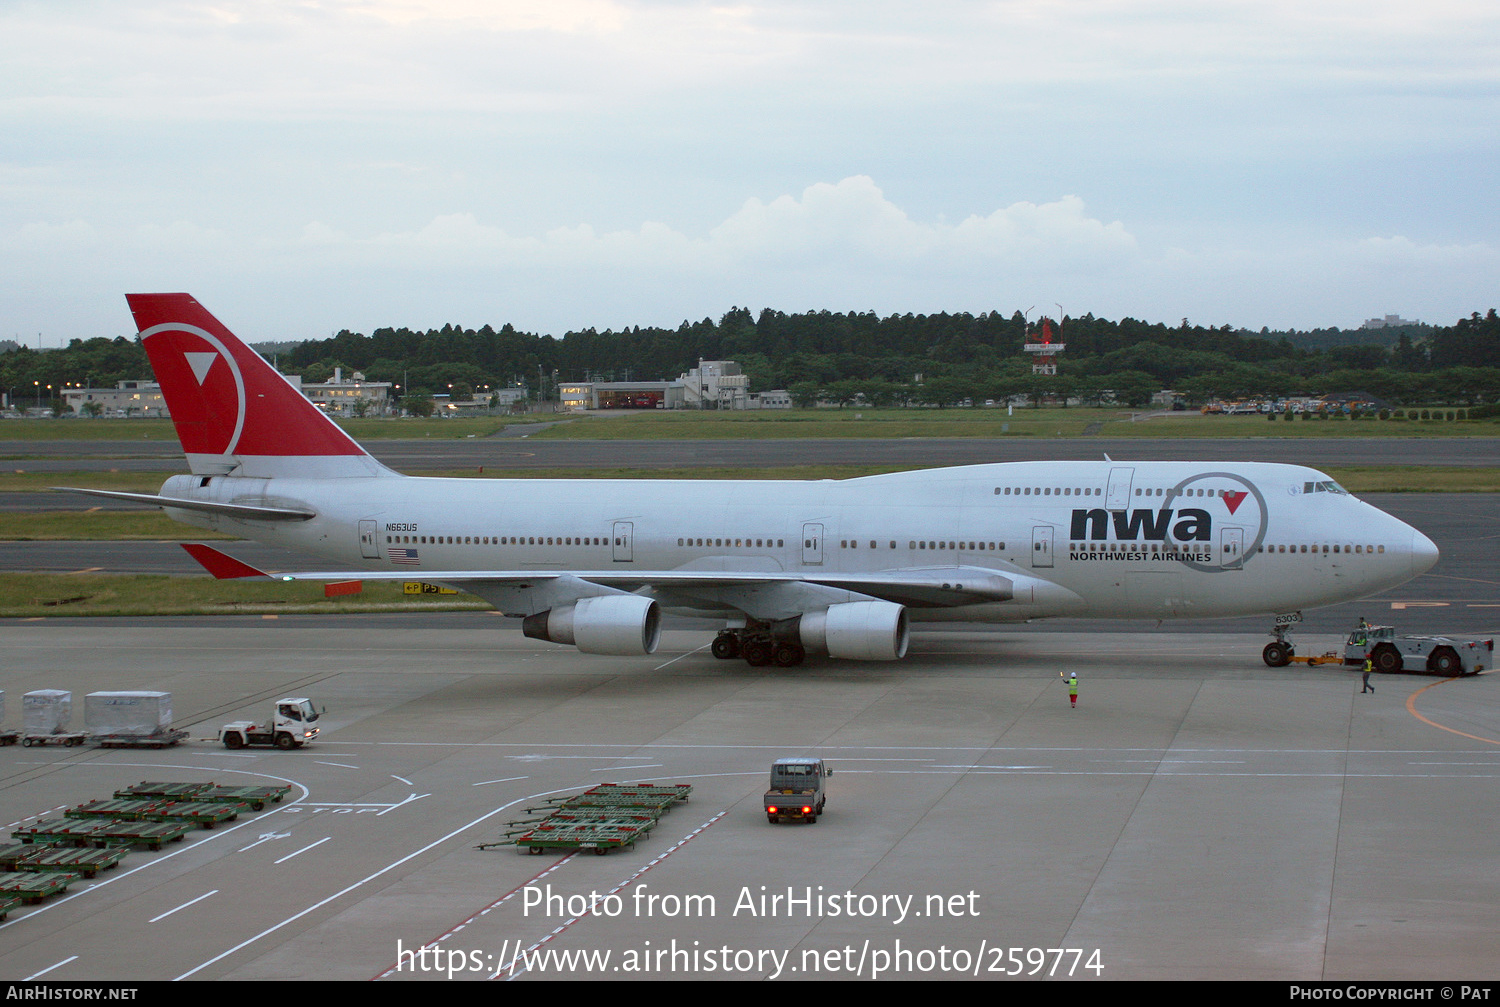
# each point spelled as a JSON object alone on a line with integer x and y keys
{"x": 1045, "y": 351}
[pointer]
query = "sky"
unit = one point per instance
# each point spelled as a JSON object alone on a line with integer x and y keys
{"x": 305, "y": 167}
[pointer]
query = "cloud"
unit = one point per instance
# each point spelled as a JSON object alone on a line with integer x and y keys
{"x": 1059, "y": 233}
{"x": 320, "y": 234}
{"x": 841, "y": 245}
{"x": 852, "y": 217}
{"x": 44, "y": 236}
{"x": 1399, "y": 250}
{"x": 830, "y": 226}
{"x": 180, "y": 235}
{"x": 494, "y": 15}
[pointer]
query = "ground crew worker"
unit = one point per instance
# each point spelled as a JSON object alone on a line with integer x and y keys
{"x": 1072, "y": 686}
{"x": 1369, "y": 667}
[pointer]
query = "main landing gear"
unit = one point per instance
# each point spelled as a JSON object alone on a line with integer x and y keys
{"x": 758, "y": 646}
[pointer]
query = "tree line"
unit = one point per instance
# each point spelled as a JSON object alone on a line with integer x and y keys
{"x": 938, "y": 359}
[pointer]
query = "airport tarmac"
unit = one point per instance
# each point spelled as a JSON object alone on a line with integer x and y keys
{"x": 1197, "y": 816}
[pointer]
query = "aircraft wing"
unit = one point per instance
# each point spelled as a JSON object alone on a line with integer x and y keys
{"x": 937, "y": 588}
{"x": 759, "y": 593}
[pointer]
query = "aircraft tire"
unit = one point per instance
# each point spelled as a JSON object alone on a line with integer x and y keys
{"x": 789, "y": 655}
{"x": 725, "y": 646}
{"x": 758, "y": 653}
{"x": 1277, "y": 654}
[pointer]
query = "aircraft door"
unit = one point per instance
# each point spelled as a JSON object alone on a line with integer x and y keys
{"x": 1232, "y": 548}
{"x": 1117, "y": 496}
{"x": 1041, "y": 545}
{"x": 623, "y": 532}
{"x": 369, "y": 542}
{"x": 812, "y": 545}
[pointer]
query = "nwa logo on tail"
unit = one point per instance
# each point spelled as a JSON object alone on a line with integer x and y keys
{"x": 1189, "y": 526}
{"x": 207, "y": 402}
{"x": 227, "y": 403}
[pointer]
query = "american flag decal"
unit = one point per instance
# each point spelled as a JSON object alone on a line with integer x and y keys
{"x": 406, "y": 557}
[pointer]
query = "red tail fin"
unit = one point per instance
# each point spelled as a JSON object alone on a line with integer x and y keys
{"x": 232, "y": 410}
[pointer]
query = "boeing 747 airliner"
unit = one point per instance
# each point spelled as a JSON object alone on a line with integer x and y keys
{"x": 836, "y": 567}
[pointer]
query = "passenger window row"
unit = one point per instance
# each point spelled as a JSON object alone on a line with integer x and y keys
{"x": 499, "y": 540}
{"x": 1357, "y": 549}
{"x": 1048, "y": 491}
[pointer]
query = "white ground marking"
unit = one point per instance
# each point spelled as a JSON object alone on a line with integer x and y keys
{"x": 169, "y": 912}
{"x": 304, "y": 849}
{"x": 49, "y": 968}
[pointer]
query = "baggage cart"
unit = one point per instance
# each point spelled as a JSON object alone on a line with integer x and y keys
{"x": 29, "y": 887}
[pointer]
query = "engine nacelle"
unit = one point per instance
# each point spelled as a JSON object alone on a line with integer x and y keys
{"x": 857, "y": 630}
{"x": 622, "y": 624}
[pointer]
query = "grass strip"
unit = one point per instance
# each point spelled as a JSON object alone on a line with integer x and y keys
{"x": 34, "y": 595}
{"x": 98, "y": 526}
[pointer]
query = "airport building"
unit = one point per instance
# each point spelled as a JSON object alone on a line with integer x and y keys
{"x": 1388, "y": 322}
{"x": 342, "y": 397}
{"x": 581, "y": 396}
{"x": 144, "y": 398}
{"x": 715, "y": 384}
{"x": 485, "y": 400}
{"x": 127, "y": 398}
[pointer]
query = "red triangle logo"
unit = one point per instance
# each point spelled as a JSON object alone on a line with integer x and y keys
{"x": 1234, "y": 498}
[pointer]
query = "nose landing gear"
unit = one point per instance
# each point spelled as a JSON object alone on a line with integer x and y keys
{"x": 1280, "y": 651}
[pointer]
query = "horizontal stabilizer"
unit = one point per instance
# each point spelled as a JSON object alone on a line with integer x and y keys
{"x": 247, "y": 511}
{"x": 221, "y": 565}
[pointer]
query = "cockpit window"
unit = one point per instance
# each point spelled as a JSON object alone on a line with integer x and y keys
{"x": 1325, "y": 486}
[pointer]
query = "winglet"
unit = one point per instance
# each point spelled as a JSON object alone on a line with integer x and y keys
{"x": 221, "y": 565}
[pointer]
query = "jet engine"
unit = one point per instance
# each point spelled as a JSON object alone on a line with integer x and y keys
{"x": 622, "y": 624}
{"x": 858, "y": 630}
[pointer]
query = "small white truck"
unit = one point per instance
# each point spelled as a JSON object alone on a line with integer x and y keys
{"x": 293, "y": 725}
{"x": 796, "y": 790}
{"x": 1389, "y": 653}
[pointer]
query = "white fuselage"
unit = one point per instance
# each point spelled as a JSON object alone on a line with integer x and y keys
{"x": 1101, "y": 539}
